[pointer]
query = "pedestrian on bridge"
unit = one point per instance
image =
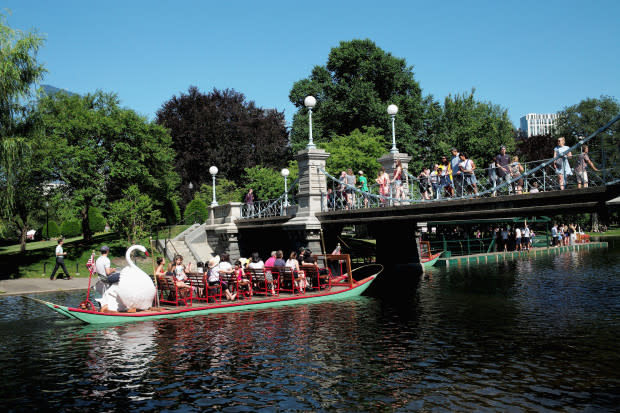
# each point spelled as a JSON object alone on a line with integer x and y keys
{"x": 501, "y": 164}
{"x": 562, "y": 167}
{"x": 582, "y": 164}
{"x": 454, "y": 167}
{"x": 383, "y": 180}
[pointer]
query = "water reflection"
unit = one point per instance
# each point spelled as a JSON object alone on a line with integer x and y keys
{"x": 524, "y": 335}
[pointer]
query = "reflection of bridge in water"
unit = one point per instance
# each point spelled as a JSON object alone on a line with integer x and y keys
{"x": 311, "y": 218}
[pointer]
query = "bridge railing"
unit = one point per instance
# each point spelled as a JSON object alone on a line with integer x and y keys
{"x": 540, "y": 175}
{"x": 270, "y": 207}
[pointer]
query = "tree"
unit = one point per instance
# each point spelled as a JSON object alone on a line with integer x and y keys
{"x": 225, "y": 191}
{"x": 71, "y": 228}
{"x": 583, "y": 119}
{"x": 477, "y": 128}
{"x": 51, "y": 230}
{"x": 96, "y": 221}
{"x": 536, "y": 148}
{"x": 19, "y": 72}
{"x": 133, "y": 214}
{"x": 353, "y": 90}
{"x": 268, "y": 183}
{"x": 221, "y": 128}
{"x": 196, "y": 211}
{"x": 102, "y": 149}
{"x": 358, "y": 150}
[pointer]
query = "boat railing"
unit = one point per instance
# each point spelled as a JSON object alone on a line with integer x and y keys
{"x": 339, "y": 266}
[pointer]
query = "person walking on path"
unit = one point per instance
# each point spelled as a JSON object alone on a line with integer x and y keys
{"x": 60, "y": 261}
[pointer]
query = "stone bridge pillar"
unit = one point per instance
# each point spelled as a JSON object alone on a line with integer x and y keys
{"x": 396, "y": 244}
{"x": 388, "y": 160}
{"x": 305, "y": 228}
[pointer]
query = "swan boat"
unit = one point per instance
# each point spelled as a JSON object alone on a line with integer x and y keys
{"x": 427, "y": 258}
{"x": 340, "y": 288}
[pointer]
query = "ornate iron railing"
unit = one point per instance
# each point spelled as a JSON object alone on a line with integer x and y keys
{"x": 270, "y": 207}
{"x": 540, "y": 175}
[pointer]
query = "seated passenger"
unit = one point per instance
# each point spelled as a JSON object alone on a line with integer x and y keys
{"x": 300, "y": 276}
{"x": 242, "y": 280}
{"x": 271, "y": 261}
{"x": 179, "y": 272}
{"x": 161, "y": 267}
{"x": 213, "y": 277}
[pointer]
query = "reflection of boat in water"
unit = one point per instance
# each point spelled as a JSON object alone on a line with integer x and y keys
{"x": 340, "y": 288}
{"x": 131, "y": 346}
{"x": 427, "y": 258}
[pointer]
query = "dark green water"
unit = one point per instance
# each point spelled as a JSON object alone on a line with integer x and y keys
{"x": 528, "y": 335}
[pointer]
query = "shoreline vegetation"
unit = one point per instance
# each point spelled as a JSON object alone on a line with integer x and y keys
{"x": 38, "y": 259}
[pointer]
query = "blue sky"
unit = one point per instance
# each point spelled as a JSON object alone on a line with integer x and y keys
{"x": 526, "y": 56}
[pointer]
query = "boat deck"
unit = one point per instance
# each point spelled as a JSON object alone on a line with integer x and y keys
{"x": 254, "y": 299}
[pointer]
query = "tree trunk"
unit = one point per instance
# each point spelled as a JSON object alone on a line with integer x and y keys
{"x": 88, "y": 234}
{"x": 22, "y": 238}
{"x": 595, "y": 222}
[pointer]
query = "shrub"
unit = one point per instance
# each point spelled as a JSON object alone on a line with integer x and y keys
{"x": 196, "y": 211}
{"x": 52, "y": 230}
{"x": 71, "y": 228}
{"x": 96, "y": 221}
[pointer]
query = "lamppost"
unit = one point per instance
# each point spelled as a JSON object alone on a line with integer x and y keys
{"x": 213, "y": 172}
{"x": 310, "y": 102}
{"x": 47, "y": 228}
{"x": 392, "y": 110}
{"x": 285, "y": 172}
{"x": 190, "y": 186}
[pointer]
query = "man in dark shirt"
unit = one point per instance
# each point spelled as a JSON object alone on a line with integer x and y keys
{"x": 501, "y": 163}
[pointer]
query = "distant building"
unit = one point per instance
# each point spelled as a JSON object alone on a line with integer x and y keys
{"x": 534, "y": 124}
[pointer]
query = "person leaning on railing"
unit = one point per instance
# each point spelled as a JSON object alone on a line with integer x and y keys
{"x": 582, "y": 164}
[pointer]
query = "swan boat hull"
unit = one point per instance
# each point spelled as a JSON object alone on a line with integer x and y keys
{"x": 429, "y": 262}
{"x": 95, "y": 317}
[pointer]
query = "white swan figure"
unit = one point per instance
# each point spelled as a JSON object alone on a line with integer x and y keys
{"x": 135, "y": 288}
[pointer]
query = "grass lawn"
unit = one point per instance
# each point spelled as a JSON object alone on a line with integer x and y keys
{"x": 615, "y": 232}
{"x": 39, "y": 258}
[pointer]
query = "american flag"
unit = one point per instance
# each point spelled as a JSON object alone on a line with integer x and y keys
{"x": 90, "y": 264}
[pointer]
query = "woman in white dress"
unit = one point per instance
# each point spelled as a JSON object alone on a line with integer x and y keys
{"x": 562, "y": 168}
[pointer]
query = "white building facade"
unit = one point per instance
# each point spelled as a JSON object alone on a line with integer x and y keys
{"x": 538, "y": 123}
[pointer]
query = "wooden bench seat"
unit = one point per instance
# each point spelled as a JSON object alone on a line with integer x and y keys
{"x": 169, "y": 292}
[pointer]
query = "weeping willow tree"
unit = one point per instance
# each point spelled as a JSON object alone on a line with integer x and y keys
{"x": 19, "y": 74}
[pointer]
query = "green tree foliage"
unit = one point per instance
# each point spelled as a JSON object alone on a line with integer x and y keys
{"x": 586, "y": 117}
{"x": 477, "y": 128}
{"x": 71, "y": 228}
{"x": 268, "y": 183}
{"x": 536, "y": 148}
{"x": 225, "y": 191}
{"x": 221, "y": 128}
{"x": 96, "y": 221}
{"x": 102, "y": 149}
{"x": 51, "y": 231}
{"x": 353, "y": 90}
{"x": 358, "y": 150}
{"x": 196, "y": 211}
{"x": 19, "y": 72}
{"x": 133, "y": 215}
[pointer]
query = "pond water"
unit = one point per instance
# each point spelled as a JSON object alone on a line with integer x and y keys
{"x": 528, "y": 335}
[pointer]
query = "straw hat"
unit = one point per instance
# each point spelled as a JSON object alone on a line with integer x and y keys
{"x": 214, "y": 261}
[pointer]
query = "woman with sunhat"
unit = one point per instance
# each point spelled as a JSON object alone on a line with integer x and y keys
{"x": 213, "y": 277}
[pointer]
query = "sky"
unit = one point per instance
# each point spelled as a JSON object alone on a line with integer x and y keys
{"x": 526, "y": 56}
